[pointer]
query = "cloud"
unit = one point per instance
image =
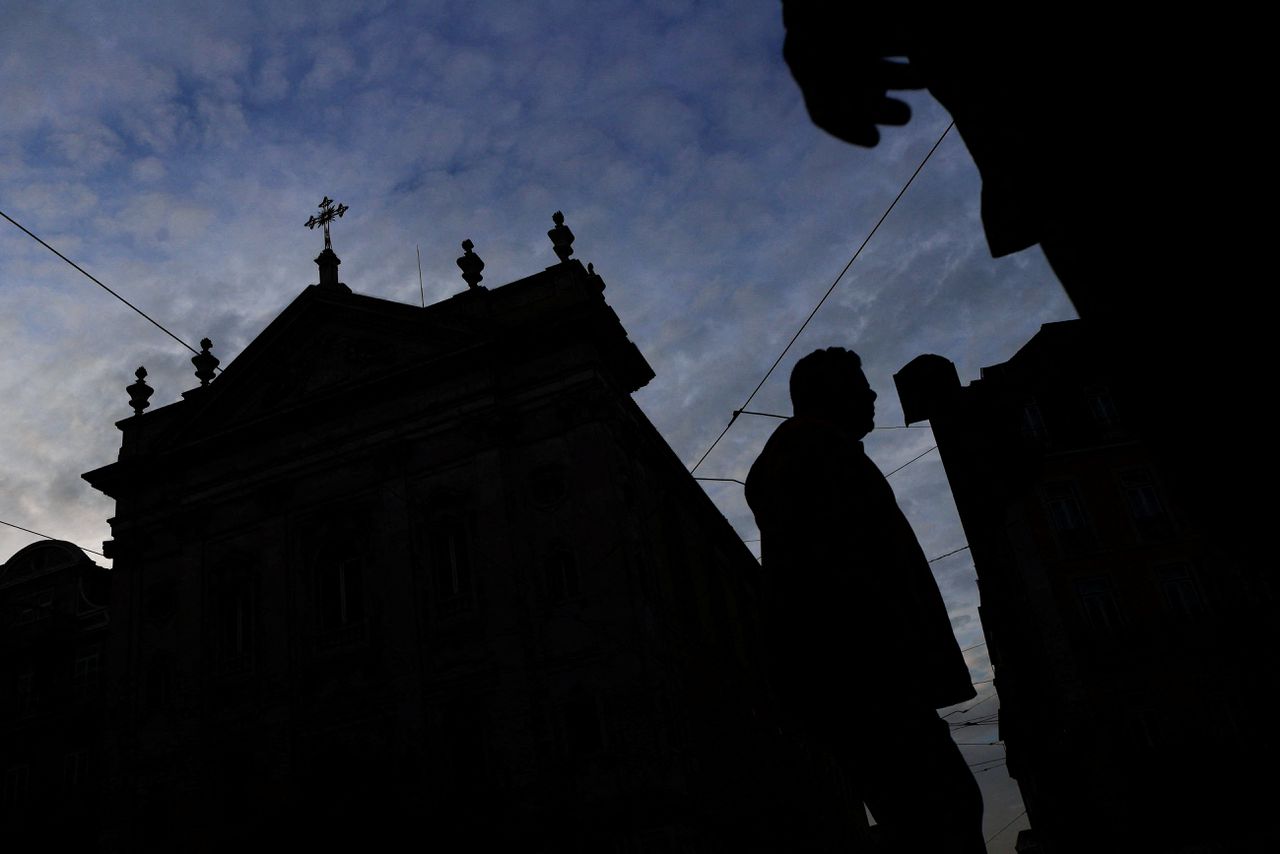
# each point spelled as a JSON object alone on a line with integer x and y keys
{"x": 272, "y": 83}
{"x": 332, "y": 64}
{"x": 148, "y": 170}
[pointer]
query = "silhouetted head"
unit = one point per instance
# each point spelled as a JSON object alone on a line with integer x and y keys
{"x": 830, "y": 384}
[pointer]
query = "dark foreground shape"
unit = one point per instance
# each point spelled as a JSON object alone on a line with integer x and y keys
{"x": 862, "y": 649}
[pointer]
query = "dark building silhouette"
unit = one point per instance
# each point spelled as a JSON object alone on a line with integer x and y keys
{"x": 431, "y": 572}
{"x": 53, "y": 623}
{"x": 1126, "y": 646}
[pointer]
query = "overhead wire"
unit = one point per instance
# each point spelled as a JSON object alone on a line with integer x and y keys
{"x": 972, "y": 724}
{"x": 889, "y": 475}
{"x": 990, "y": 763}
{"x": 887, "y": 427}
{"x": 733, "y": 419}
{"x": 742, "y": 411}
{"x": 949, "y": 554}
{"x": 1006, "y": 827}
{"x": 47, "y": 537}
{"x": 765, "y": 414}
{"x": 804, "y": 325}
{"x": 157, "y": 324}
{"x": 991, "y": 767}
{"x": 931, "y": 560}
{"x": 910, "y": 461}
{"x": 722, "y": 479}
{"x": 987, "y": 699}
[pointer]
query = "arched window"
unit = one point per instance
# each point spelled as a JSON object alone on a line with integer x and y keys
{"x": 1103, "y": 409}
{"x": 1145, "y": 507}
{"x": 1068, "y": 519}
{"x": 1099, "y": 604}
{"x": 1181, "y": 593}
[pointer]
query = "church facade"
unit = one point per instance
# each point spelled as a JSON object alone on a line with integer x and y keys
{"x": 432, "y": 571}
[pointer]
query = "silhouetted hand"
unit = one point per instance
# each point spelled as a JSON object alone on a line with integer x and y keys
{"x": 846, "y": 93}
{"x": 842, "y": 64}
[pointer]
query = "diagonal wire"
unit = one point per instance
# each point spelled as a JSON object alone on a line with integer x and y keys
{"x": 865, "y": 241}
{"x": 910, "y": 461}
{"x": 988, "y": 699}
{"x": 47, "y": 537}
{"x": 992, "y": 768}
{"x": 93, "y": 279}
{"x": 1000, "y": 760}
{"x": 948, "y": 554}
{"x": 1006, "y": 827}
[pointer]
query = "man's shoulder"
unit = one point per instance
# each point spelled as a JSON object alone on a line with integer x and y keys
{"x": 808, "y": 435}
{"x": 792, "y": 448}
{"x": 806, "y": 461}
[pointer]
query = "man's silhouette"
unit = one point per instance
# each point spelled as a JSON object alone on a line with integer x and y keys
{"x": 862, "y": 652}
{"x": 1129, "y": 152}
{"x": 1071, "y": 127}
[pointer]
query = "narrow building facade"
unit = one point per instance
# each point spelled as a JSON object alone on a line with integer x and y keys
{"x": 54, "y": 619}
{"x": 1125, "y": 646}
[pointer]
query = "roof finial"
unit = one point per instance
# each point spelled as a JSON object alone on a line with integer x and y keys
{"x": 205, "y": 362}
{"x": 327, "y": 214}
{"x": 139, "y": 392}
{"x": 471, "y": 265}
{"x": 328, "y": 260}
{"x": 561, "y": 237}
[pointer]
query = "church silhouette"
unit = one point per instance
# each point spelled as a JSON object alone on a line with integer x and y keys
{"x": 425, "y": 572}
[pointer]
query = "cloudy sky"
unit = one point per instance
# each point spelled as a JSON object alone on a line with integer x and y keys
{"x": 175, "y": 150}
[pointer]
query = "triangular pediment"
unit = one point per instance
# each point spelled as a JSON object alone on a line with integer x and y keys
{"x": 339, "y": 370}
{"x": 320, "y": 346}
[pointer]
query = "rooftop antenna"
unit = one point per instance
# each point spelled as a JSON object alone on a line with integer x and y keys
{"x": 421, "y": 293}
